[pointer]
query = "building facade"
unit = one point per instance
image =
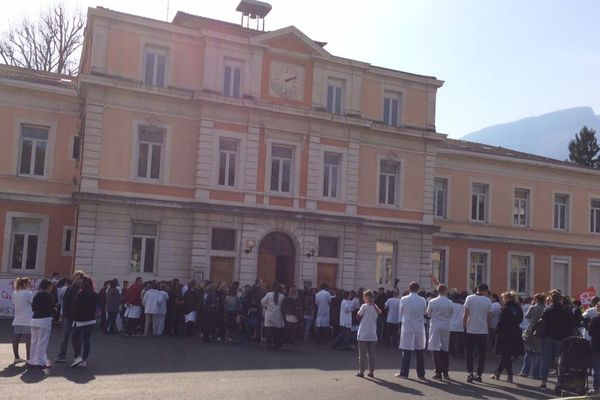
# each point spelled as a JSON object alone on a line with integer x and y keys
{"x": 212, "y": 151}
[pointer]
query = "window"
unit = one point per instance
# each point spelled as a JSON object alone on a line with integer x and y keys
{"x": 328, "y": 247}
{"x": 561, "y": 211}
{"x": 34, "y": 141}
{"x": 143, "y": 247}
{"x": 76, "y": 147}
{"x": 391, "y": 108}
{"x": 223, "y": 239}
{"x": 438, "y": 265}
{"x": 521, "y": 207}
{"x": 331, "y": 174}
{"x": 478, "y": 269}
{"x": 595, "y": 216}
{"x": 67, "y": 242}
{"x": 232, "y": 80}
{"x": 479, "y": 199}
{"x": 227, "y": 161}
{"x": 281, "y": 168}
{"x": 389, "y": 172}
{"x": 155, "y": 67}
{"x": 384, "y": 263}
{"x": 519, "y": 274}
{"x": 25, "y": 241}
{"x": 150, "y": 140}
{"x": 440, "y": 190}
{"x": 334, "y": 97}
{"x": 561, "y": 275}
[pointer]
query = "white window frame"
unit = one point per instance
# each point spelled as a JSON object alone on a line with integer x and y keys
{"x": 531, "y": 274}
{"x": 446, "y": 250}
{"x": 165, "y": 157}
{"x": 487, "y": 206}
{"x": 567, "y": 208}
{"x": 525, "y": 205}
{"x": 338, "y": 177}
{"x": 435, "y": 196}
{"x": 143, "y": 254}
{"x": 592, "y": 263}
{"x": 229, "y": 154}
{"x": 337, "y": 85}
{"x": 50, "y": 146}
{"x": 158, "y": 51}
{"x": 394, "y": 261}
{"x": 593, "y": 216}
{"x": 488, "y": 269}
{"x": 294, "y": 180}
{"x": 392, "y": 95}
{"x": 399, "y": 182}
{"x": 561, "y": 260}
{"x": 8, "y": 242}
{"x": 233, "y": 64}
{"x": 64, "y": 241}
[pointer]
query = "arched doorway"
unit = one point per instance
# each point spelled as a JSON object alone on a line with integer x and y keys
{"x": 276, "y": 259}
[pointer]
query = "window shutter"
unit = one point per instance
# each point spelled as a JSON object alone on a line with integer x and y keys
{"x": 160, "y": 71}
{"x": 338, "y": 100}
{"x": 330, "y": 99}
{"x": 227, "y": 81}
{"x": 236, "y": 82}
{"x": 149, "y": 73}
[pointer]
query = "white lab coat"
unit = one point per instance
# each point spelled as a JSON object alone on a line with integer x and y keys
{"x": 322, "y": 301}
{"x": 273, "y": 315}
{"x": 411, "y": 314}
{"x": 440, "y": 311}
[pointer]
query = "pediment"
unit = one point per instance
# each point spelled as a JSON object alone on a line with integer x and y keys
{"x": 290, "y": 39}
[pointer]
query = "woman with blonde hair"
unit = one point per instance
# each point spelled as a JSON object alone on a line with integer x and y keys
{"x": 22, "y": 299}
{"x": 367, "y": 334}
{"x": 509, "y": 342}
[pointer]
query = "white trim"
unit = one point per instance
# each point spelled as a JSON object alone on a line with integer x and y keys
{"x": 531, "y": 275}
{"x": 389, "y": 91}
{"x": 342, "y": 172}
{"x": 165, "y": 157}
{"x": 295, "y": 168}
{"x": 240, "y": 138}
{"x": 156, "y": 264}
{"x": 42, "y": 244}
{"x": 488, "y": 205}
{"x": 64, "y": 241}
{"x": 592, "y": 263}
{"x": 561, "y": 260}
{"x": 446, "y": 213}
{"x": 569, "y": 208}
{"x": 399, "y": 183}
{"x": 528, "y": 209}
{"x": 233, "y": 62}
{"x": 160, "y": 47}
{"x": 50, "y": 146}
{"x": 446, "y": 250}
{"x": 488, "y": 271}
{"x": 340, "y": 83}
{"x": 592, "y": 197}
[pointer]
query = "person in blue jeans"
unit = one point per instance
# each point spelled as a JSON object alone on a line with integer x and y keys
{"x": 556, "y": 325}
{"x": 84, "y": 319}
{"x": 594, "y": 332}
{"x": 67, "y": 314}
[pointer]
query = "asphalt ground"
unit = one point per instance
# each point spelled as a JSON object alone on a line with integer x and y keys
{"x": 186, "y": 368}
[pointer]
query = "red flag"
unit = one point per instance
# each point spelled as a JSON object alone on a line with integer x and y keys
{"x": 586, "y": 297}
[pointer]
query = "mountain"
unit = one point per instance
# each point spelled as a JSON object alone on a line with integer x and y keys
{"x": 546, "y": 135}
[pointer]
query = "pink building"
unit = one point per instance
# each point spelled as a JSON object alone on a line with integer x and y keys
{"x": 220, "y": 152}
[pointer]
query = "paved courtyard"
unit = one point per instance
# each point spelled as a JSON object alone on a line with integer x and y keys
{"x": 186, "y": 368}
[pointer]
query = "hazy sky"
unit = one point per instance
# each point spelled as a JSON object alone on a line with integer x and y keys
{"x": 501, "y": 59}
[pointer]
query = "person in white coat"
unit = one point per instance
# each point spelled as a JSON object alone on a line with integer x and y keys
{"x": 392, "y": 305}
{"x": 162, "y": 308}
{"x": 412, "y": 334}
{"x": 152, "y": 301}
{"x": 272, "y": 310}
{"x": 367, "y": 334}
{"x": 22, "y": 299}
{"x": 322, "y": 323}
{"x": 440, "y": 311}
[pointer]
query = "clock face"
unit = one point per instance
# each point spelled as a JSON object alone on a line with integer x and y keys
{"x": 287, "y": 80}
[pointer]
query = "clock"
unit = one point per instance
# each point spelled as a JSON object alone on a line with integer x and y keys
{"x": 287, "y": 80}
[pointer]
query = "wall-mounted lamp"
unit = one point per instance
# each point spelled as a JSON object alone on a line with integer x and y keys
{"x": 250, "y": 245}
{"x": 311, "y": 251}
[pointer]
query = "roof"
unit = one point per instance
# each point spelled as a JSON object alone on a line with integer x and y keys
{"x": 480, "y": 148}
{"x": 41, "y": 77}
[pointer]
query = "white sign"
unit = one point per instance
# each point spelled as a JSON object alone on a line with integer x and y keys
{"x": 7, "y": 309}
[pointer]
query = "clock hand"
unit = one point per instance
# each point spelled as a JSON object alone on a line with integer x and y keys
{"x": 290, "y": 79}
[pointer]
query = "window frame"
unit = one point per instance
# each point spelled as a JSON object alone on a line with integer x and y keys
{"x": 591, "y": 263}
{"x": 293, "y": 168}
{"x": 528, "y": 206}
{"x": 394, "y": 261}
{"x": 63, "y": 251}
{"x": 530, "y": 276}
{"x": 487, "y": 205}
{"x": 156, "y": 50}
{"x": 567, "y": 207}
{"x": 233, "y": 64}
{"x": 325, "y": 258}
{"x": 446, "y": 250}
{"x": 7, "y": 245}
{"x": 392, "y": 95}
{"x": 336, "y": 84}
{"x": 228, "y": 155}
{"x": 399, "y": 182}
{"x": 164, "y": 174}
{"x": 435, "y": 195}
{"x": 156, "y": 238}
{"x": 557, "y": 259}
{"x": 594, "y": 212}
{"x": 488, "y": 269}
{"x": 338, "y": 177}
{"x": 223, "y": 228}
{"x": 50, "y": 146}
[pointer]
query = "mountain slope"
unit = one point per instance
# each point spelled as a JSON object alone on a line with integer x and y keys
{"x": 545, "y": 135}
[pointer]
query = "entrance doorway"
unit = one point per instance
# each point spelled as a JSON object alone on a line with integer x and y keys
{"x": 276, "y": 259}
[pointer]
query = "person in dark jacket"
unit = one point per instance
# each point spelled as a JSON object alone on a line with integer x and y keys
{"x": 41, "y": 325}
{"x": 112, "y": 301}
{"x": 594, "y": 332}
{"x": 84, "y": 318}
{"x": 67, "y": 313}
{"x": 191, "y": 299}
{"x": 509, "y": 342}
{"x": 556, "y": 325}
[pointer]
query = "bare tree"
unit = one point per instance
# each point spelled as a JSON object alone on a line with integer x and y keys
{"x": 50, "y": 43}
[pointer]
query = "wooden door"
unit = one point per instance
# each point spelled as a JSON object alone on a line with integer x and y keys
{"x": 327, "y": 273}
{"x": 266, "y": 269}
{"x": 221, "y": 269}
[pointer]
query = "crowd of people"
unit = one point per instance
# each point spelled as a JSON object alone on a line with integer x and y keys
{"x": 443, "y": 321}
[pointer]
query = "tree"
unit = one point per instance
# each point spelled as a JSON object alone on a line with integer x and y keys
{"x": 51, "y": 43}
{"x": 584, "y": 149}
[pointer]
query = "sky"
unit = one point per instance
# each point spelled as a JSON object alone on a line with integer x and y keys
{"x": 501, "y": 60}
